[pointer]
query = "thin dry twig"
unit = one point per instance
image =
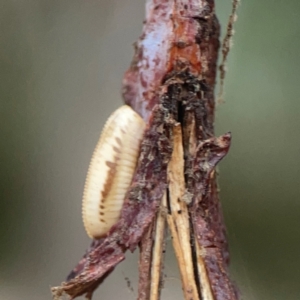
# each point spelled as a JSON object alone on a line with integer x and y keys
{"x": 226, "y": 46}
{"x": 158, "y": 250}
{"x": 145, "y": 263}
{"x": 206, "y": 292}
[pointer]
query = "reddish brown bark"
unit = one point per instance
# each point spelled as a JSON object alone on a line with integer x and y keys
{"x": 171, "y": 80}
{"x": 145, "y": 264}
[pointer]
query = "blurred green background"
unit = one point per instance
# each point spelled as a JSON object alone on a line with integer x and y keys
{"x": 61, "y": 65}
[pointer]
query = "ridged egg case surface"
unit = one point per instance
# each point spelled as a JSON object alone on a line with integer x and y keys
{"x": 111, "y": 170}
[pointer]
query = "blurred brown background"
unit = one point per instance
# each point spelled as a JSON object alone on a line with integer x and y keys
{"x": 61, "y": 64}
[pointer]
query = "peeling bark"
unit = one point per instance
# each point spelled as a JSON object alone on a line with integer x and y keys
{"x": 171, "y": 81}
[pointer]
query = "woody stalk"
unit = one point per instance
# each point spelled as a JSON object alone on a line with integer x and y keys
{"x": 170, "y": 84}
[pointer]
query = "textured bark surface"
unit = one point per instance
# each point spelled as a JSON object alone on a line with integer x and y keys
{"x": 141, "y": 204}
{"x": 171, "y": 80}
{"x": 145, "y": 264}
